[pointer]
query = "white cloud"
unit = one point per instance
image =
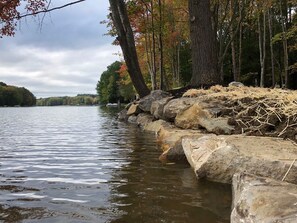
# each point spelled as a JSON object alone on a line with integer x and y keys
{"x": 70, "y": 71}
{"x": 65, "y": 58}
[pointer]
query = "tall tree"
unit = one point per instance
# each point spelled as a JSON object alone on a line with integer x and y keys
{"x": 161, "y": 51}
{"x": 230, "y": 27}
{"x": 271, "y": 47}
{"x": 262, "y": 45}
{"x": 233, "y": 45}
{"x": 203, "y": 42}
{"x": 108, "y": 86}
{"x": 126, "y": 40}
{"x": 284, "y": 19}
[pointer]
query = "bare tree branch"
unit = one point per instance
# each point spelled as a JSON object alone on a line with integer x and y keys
{"x": 49, "y": 10}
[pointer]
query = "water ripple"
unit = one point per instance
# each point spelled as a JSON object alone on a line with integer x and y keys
{"x": 77, "y": 164}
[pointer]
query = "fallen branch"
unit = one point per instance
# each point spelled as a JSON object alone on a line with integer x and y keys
{"x": 289, "y": 169}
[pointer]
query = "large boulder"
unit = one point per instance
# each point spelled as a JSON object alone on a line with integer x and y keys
{"x": 145, "y": 103}
{"x": 191, "y": 117}
{"x": 217, "y": 125}
{"x": 264, "y": 200}
{"x": 218, "y": 159}
{"x": 155, "y": 126}
{"x": 174, "y": 106}
{"x": 169, "y": 139}
{"x": 122, "y": 115}
{"x": 132, "y": 119}
{"x": 167, "y": 136}
{"x": 144, "y": 119}
{"x": 157, "y": 107}
{"x": 269, "y": 148}
{"x": 176, "y": 153}
{"x": 196, "y": 116}
{"x": 134, "y": 110}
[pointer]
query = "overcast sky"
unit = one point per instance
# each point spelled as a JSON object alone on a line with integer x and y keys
{"x": 65, "y": 57}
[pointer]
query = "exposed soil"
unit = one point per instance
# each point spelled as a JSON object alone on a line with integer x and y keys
{"x": 254, "y": 111}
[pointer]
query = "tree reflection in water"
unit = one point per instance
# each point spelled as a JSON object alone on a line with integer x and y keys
{"x": 145, "y": 190}
{"x": 18, "y": 214}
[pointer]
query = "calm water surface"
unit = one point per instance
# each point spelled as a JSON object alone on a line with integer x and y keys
{"x": 78, "y": 164}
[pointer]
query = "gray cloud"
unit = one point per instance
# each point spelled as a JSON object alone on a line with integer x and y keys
{"x": 66, "y": 57}
{"x": 72, "y": 27}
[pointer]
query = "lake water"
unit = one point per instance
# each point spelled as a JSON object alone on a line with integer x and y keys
{"x": 79, "y": 164}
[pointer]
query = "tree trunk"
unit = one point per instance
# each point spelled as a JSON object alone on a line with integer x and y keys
{"x": 178, "y": 64}
{"x": 241, "y": 16}
{"x": 150, "y": 45}
{"x": 126, "y": 39}
{"x": 262, "y": 47}
{"x": 233, "y": 43}
{"x": 221, "y": 50}
{"x": 221, "y": 37}
{"x": 271, "y": 48}
{"x": 162, "y": 84}
{"x": 203, "y": 40}
{"x": 234, "y": 59}
{"x": 240, "y": 53}
{"x": 153, "y": 45}
{"x": 148, "y": 51}
{"x": 285, "y": 44}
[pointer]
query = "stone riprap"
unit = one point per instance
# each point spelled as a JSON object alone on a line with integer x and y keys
{"x": 201, "y": 131}
{"x": 218, "y": 158}
{"x": 145, "y": 103}
{"x": 257, "y": 199}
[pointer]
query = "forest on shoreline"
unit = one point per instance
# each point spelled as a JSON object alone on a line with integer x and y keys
{"x": 11, "y": 96}
{"x": 253, "y": 42}
{"x": 174, "y": 44}
{"x": 79, "y": 100}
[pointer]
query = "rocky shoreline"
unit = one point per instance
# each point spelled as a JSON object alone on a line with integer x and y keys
{"x": 202, "y": 128}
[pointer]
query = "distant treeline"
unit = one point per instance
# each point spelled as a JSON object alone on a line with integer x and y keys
{"x": 15, "y": 96}
{"x": 80, "y": 99}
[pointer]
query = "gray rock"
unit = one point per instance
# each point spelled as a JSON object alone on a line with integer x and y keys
{"x": 157, "y": 107}
{"x": 145, "y": 103}
{"x": 217, "y": 125}
{"x": 264, "y": 200}
{"x": 173, "y": 107}
{"x": 236, "y": 84}
{"x": 168, "y": 135}
{"x": 132, "y": 119}
{"x": 155, "y": 126}
{"x": 196, "y": 117}
{"x": 122, "y": 115}
{"x": 176, "y": 153}
{"x": 216, "y": 159}
{"x": 144, "y": 119}
{"x": 191, "y": 117}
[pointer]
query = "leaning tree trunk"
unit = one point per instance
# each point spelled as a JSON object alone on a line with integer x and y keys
{"x": 203, "y": 40}
{"x": 126, "y": 39}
